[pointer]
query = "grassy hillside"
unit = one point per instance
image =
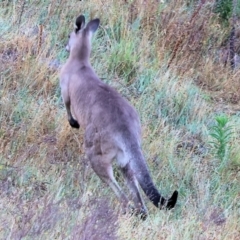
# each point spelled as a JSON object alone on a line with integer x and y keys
{"x": 168, "y": 58}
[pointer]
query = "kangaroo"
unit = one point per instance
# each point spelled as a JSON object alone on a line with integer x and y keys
{"x": 112, "y": 126}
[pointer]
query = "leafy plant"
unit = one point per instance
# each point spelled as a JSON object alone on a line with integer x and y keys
{"x": 221, "y": 133}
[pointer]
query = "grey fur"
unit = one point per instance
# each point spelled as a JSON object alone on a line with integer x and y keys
{"x": 111, "y": 124}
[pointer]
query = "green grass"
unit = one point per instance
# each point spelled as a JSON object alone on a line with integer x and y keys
{"x": 48, "y": 189}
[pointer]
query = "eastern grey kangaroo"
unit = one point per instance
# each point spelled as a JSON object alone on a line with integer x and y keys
{"x": 111, "y": 124}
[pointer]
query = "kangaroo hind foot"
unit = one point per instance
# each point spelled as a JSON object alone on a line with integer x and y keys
{"x": 172, "y": 200}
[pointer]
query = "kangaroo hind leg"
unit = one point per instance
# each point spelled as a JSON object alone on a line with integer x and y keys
{"x": 73, "y": 123}
{"x": 105, "y": 172}
{"x": 132, "y": 184}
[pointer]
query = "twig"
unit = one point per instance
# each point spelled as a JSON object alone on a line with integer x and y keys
{"x": 40, "y": 36}
{"x": 232, "y": 35}
{"x": 232, "y": 47}
{"x": 21, "y": 12}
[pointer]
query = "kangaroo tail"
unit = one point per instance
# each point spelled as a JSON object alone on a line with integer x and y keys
{"x": 146, "y": 183}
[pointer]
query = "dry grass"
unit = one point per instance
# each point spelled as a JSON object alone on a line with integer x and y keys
{"x": 166, "y": 59}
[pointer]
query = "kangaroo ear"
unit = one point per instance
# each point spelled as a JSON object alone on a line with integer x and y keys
{"x": 80, "y": 23}
{"x": 92, "y": 26}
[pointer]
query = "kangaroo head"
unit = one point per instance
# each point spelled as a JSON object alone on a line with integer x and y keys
{"x": 79, "y": 42}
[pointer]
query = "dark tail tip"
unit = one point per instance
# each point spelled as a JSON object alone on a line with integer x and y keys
{"x": 74, "y": 123}
{"x": 172, "y": 200}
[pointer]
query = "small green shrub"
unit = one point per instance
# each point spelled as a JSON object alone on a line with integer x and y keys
{"x": 221, "y": 134}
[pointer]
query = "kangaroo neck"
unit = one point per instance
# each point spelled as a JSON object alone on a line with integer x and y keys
{"x": 83, "y": 62}
{"x": 81, "y": 55}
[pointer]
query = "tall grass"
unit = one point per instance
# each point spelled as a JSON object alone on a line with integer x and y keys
{"x": 163, "y": 57}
